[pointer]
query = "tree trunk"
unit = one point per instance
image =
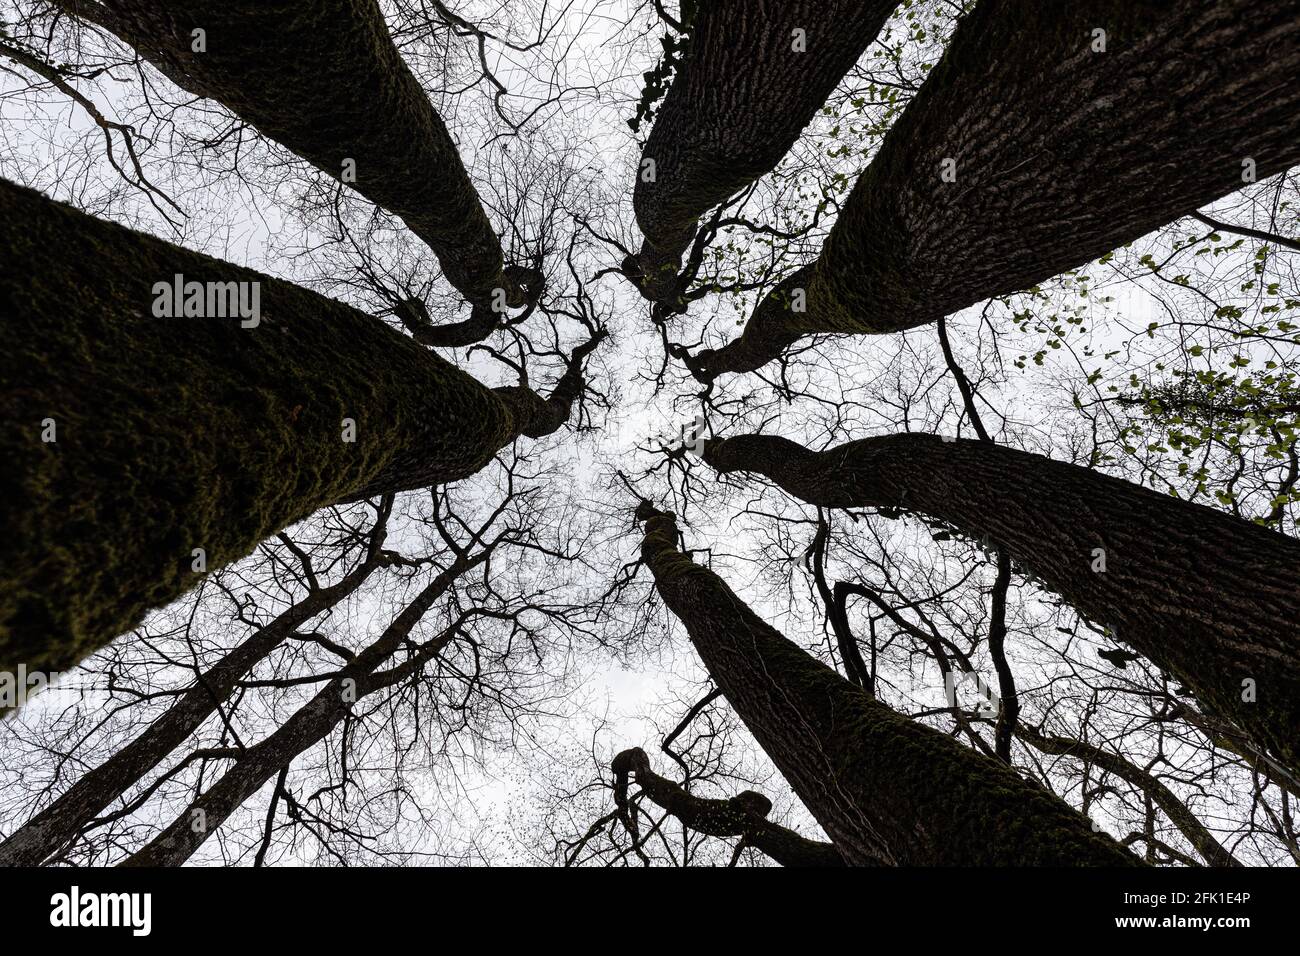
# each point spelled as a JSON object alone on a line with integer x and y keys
{"x": 883, "y": 787}
{"x": 55, "y": 826}
{"x": 1210, "y": 599}
{"x": 750, "y": 83}
{"x": 307, "y": 727}
{"x": 177, "y": 434}
{"x": 323, "y": 79}
{"x": 1061, "y": 154}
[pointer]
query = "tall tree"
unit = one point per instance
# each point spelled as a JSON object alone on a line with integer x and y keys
{"x": 1209, "y": 598}
{"x": 149, "y": 449}
{"x": 1111, "y": 119}
{"x": 323, "y": 79}
{"x": 753, "y": 76}
{"x": 884, "y": 788}
{"x": 139, "y": 438}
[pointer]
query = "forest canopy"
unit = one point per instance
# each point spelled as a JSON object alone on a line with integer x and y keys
{"x": 623, "y": 432}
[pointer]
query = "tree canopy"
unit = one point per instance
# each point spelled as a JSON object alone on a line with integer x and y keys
{"x": 623, "y": 432}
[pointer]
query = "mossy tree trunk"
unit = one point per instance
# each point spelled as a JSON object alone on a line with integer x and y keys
{"x": 323, "y": 79}
{"x": 177, "y": 434}
{"x": 755, "y": 74}
{"x": 884, "y": 788}
{"x": 1057, "y": 151}
{"x": 1210, "y": 599}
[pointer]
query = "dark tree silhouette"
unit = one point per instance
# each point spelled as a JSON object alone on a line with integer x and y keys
{"x": 358, "y": 678}
{"x": 744, "y": 815}
{"x": 866, "y": 773}
{"x": 302, "y": 554}
{"x": 241, "y": 431}
{"x": 58, "y": 823}
{"x": 1008, "y": 169}
{"x": 1210, "y": 599}
{"x": 1198, "y": 835}
{"x": 324, "y": 79}
{"x": 754, "y": 75}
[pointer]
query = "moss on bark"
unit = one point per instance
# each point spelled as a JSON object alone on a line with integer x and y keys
{"x": 884, "y": 788}
{"x": 180, "y": 433}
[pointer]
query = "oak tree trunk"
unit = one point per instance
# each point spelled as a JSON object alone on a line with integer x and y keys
{"x": 884, "y": 788}
{"x": 756, "y": 73}
{"x": 323, "y": 79}
{"x": 1210, "y": 599}
{"x": 176, "y": 434}
{"x": 1059, "y": 153}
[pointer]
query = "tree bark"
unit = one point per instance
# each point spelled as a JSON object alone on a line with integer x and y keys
{"x": 740, "y": 99}
{"x": 1061, "y": 154}
{"x": 323, "y": 79}
{"x": 307, "y": 727}
{"x": 54, "y": 827}
{"x": 174, "y": 434}
{"x": 884, "y": 788}
{"x": 483, "y": 320}
{"x": 1210, "y": 599}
